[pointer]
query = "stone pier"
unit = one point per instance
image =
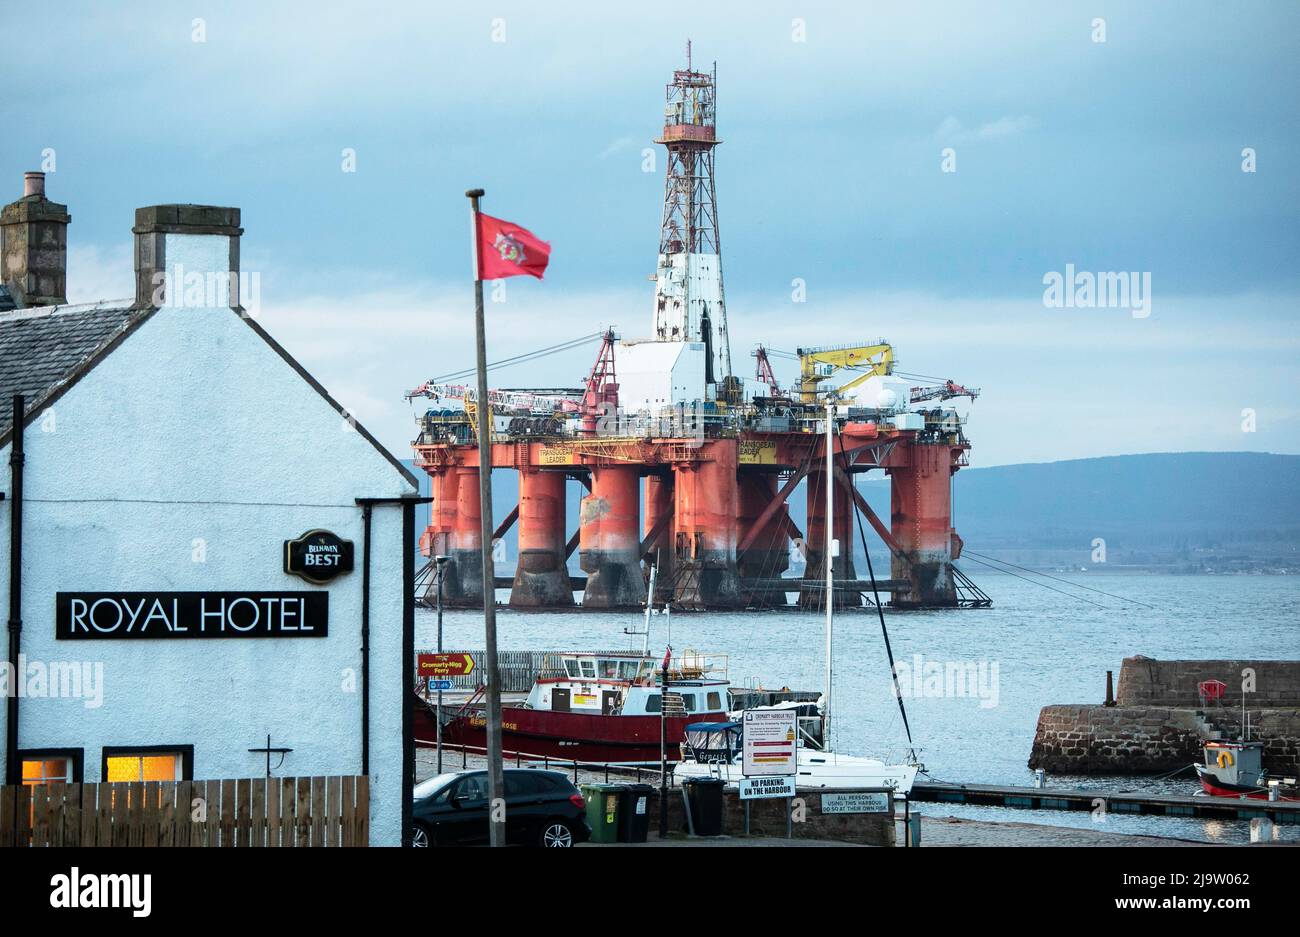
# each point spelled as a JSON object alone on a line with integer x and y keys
{"x": 1159, "y": 721}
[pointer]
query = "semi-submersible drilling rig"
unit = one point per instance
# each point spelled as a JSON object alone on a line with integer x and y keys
{"x": 687, "y": 466}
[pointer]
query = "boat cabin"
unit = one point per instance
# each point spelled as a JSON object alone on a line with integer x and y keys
{"x": 1235, "y": 763}
{"x": 626, "y": 684}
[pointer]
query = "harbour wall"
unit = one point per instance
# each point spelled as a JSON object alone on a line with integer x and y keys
{"x": 1144, "y": 681}
{"x": 767, "y": 818}
{"x": 1158, "y": 722}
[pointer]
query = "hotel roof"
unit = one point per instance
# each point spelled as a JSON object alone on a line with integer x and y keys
{"x": 46, "y": 349}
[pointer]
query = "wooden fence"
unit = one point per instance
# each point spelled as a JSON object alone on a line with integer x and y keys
{"x": 313, "y": 811}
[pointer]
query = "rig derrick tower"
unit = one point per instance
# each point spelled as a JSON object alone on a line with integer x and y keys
{"x": 690, "y": 304}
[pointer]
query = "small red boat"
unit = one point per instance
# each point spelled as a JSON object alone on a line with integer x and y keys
{"x": 1235, "y": 769}
{"x": 593, "y": 707}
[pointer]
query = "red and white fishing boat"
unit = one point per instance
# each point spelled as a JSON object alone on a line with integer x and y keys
{"x": 1235, "y": 769}
{"x": 605, "y": 707}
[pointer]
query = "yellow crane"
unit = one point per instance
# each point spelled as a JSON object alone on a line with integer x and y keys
{"x": 818, "y": 364}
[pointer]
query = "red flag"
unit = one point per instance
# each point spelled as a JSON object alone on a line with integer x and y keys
{"x": 668, "y": 655}
{"x": 507, "y": 250}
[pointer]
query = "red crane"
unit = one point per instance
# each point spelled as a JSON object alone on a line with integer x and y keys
{"x": 601, "y": 396}
{"x": 763, "y": 371}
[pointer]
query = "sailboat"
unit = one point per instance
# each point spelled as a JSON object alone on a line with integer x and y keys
{"x": 815, "y": 767}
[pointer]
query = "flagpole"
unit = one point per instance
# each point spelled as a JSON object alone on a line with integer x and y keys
{"x": 496, "y": 777}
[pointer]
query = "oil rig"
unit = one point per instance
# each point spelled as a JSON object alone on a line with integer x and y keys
{"x": 687, "y": 466}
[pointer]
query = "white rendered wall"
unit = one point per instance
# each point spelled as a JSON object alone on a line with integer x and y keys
{"x": 195, "y": 267}
{"x": 182, "y": 462}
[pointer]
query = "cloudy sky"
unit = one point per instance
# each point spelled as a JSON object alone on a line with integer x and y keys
{"x": 839, "y": 121}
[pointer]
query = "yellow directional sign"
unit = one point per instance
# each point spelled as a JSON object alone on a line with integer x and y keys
{"x": 445, "y": 665}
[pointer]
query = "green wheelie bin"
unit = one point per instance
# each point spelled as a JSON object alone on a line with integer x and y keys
{"x": 603, "y": 802}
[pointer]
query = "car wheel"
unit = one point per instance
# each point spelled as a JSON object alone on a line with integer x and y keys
{"x": 556, "y": 834}
{"x": 420, "y": 837}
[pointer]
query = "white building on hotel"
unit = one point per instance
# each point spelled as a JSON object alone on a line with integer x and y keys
{"x": 174, "y": 458}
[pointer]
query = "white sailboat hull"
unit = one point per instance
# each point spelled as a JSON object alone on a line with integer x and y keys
{"x": 818, "y": 769}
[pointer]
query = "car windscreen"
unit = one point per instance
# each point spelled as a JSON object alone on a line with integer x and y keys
{"x": 433, "y": 785}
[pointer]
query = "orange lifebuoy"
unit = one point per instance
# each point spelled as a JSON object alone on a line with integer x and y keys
{"x": 1225, "y": 759}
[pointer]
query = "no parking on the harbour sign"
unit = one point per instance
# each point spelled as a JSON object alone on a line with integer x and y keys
{"x": 769, "y": 746}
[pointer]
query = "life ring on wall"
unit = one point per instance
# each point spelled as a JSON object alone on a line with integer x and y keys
{"x": 1225, "y": 759}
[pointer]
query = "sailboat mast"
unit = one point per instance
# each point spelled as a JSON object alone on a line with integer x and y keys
{"x": 830, "y": 571}
{"x": 649, "y": 610}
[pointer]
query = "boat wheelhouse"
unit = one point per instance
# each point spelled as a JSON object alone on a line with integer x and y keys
{"x": 628, "y": 684}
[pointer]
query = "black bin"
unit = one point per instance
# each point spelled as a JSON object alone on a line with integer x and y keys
{"x": 634, "y": 813}
{"x": 705, "y": 797}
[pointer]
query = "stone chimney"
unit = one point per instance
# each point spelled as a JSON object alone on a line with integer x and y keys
{"x": 187, "y": 255}
{"x": 34, "y": 246}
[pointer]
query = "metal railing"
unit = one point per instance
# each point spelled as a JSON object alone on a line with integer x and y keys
{"x": 552, "y": 763}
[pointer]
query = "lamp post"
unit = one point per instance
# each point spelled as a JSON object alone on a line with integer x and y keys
{"x": 440, "y": 564}
{"x": 663, "y": 743}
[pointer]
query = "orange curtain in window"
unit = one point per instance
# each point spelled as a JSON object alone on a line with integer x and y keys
{"x": 143, "y": 768}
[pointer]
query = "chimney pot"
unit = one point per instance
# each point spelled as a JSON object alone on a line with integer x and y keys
{"x": 33, "y": 184}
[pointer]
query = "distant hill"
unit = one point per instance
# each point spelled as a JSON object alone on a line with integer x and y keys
{"x": 1177, "y": 501}
{"x": 1183, "y": 510}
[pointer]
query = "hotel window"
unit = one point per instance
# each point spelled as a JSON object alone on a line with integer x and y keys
{"x": 148, "y": 764}
{"x": 50, "y": 767}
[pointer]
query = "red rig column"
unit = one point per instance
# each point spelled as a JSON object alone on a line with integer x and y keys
{"x": 463, "y": 587}
{"x": 768, "y": 554}
{"x": 707, "y": 505}
{"x": 442, "y": 513}
{"x": 608, "y": 542}
{"x": 659, "y": 507}
{"x": 921, "y": 499}
{"x": 810, "y": 596}
{"x": 541, "y": 576}
{"x": 442, "y": 518}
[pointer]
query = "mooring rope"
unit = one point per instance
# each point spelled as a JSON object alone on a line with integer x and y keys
{"x": 1068, "y": 582}
{"x": 1033, "y": 582}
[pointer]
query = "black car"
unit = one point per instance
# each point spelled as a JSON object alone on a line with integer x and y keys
{"x": 543, "y": 808}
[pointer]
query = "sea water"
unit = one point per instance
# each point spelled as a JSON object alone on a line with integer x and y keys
{"x": 972, "y": 719}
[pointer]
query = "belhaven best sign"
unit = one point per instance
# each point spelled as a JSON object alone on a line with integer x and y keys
{"x": 80, "y": 616}
{"x": 318, "y": 556}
